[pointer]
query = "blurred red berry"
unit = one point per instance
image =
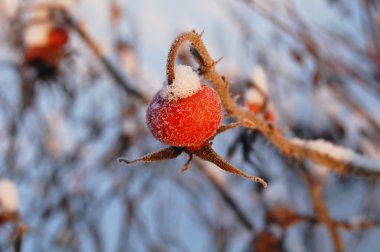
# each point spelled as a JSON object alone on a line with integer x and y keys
{"x": 269, "y": 117}
{"x": 254, "y": 107}
{"x": 58, "y": 37}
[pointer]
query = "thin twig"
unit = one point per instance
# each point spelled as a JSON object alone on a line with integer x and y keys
{"x": 114, "y": 73}
{"x": 229, "y": 200}
{"x": 321, "y": 209}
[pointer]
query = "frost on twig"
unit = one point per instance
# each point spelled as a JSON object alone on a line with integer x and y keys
{"x": 339, "y": 153}
{"x": 359, "y": 166}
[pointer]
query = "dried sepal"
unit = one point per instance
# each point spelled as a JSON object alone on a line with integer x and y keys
{"x": 208, "y": 154}
{"x": 205, "y": 152}
{"x": 166, "y": 153}
{"x": 225, "y": 127}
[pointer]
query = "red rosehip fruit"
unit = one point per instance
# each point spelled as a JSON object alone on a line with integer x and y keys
{"x": 187, "y": 121}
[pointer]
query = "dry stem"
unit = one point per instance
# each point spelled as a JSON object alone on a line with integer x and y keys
{"x": 321, "y": 210}
{"x": 274, "y": 135}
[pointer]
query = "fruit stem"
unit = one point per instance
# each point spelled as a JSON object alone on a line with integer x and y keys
{"x": 192, "y": 37}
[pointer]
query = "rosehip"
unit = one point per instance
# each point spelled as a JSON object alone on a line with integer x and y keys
{"x": 58, "y": 37}
{"x": 188, "y": 121}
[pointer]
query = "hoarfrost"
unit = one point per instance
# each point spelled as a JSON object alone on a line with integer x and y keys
{"x": 259, "y": 77}
{"x": 337, "y": 152}
{"x": 254, "y": 96}
{"x": 185, "y": 84}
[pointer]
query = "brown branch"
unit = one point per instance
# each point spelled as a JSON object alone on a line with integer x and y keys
{"x": 274, "y": 135}
{"x": 357, "y": 225}
{"x": 21, "y": 230}
{"x": 114, "y": 73}
{"x": 321, "y": 210}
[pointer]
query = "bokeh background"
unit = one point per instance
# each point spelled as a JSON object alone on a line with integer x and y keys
{"x": 62, "y": 129}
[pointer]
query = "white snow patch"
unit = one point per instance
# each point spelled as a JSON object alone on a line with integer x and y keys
{"x": 357, "y": 221}
{"x": 259, "y": 77}
{"x": 37, "y": 34}
{"x": 339, "y": 153}
{"x": 130, "y": 127}
{"x": 9, "y": 200}
{"x": 185, "y": 84}
{"x": 254, "y": 96}
{"x": 321, "y": 171}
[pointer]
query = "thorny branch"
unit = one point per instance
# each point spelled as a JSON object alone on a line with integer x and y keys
{"x": 274, "y": 135}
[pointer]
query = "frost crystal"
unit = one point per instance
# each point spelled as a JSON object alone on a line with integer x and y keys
{"x": 259, "y": 77}
{"x": 338, "y": 153}
{"x": 254, "y": 96}
{"x": 9, "y": 201}
{"x": 185, "y": 84}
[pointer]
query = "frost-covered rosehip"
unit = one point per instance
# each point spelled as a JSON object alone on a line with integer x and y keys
{"x": 186, "y": 112}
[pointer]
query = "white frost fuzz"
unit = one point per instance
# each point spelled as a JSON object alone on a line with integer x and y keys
{"x": 9, "y": 199}
{"x": 337, "y": 152}
{"x": 37, "y": 34}
{"x": 185, "y": 84}
{"x": 259, "y": 77}
{"x": 253, "y": 96}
